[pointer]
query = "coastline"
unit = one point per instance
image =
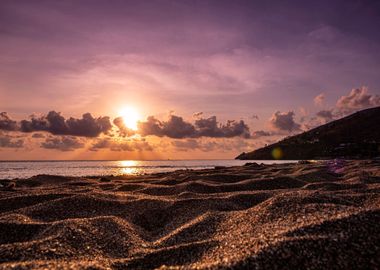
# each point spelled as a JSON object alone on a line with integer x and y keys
{"x": 27, "y": 169}
{"x": 255, "y": 216}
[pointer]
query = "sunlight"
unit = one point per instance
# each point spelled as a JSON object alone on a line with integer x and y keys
{"x": 129, "y": 171}
{"x": 128, "y": 163}
{"x": 130, "y": 117}
{"x": 128, "y": 166}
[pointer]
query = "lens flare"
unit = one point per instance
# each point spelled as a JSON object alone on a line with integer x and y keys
{"x": 277, "y": 153}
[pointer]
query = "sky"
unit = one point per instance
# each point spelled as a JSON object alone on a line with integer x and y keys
{"x": 98, "y": 79}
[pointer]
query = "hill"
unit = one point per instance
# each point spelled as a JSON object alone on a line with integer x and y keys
{"x": 356, "y": 136}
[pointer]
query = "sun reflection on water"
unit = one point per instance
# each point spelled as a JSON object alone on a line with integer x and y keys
{"x": 129, "y": 171}
{"x": 128, "y": 167}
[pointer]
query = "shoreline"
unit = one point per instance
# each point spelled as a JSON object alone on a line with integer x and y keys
{"x": 21, "y": 170}
{"x": 265, "y": 216}
{"x": 247, "y": 163}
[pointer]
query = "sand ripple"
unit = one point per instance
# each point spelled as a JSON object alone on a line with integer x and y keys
{"x": 289, "y": 216}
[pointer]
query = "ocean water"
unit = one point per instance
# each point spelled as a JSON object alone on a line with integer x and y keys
{"x": 26, "y": 169}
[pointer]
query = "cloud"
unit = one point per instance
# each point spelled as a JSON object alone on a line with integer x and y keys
{"x": 88, "y": 126}
{"x": 6, "y": 123}
{"x": 152, "y": 126}
{"x": 56, "y": 124}
{"x": 185, "y": 145}
{"x": 209, "y": 127}
{"x": 38, "y": 135}
{"x": 192, "y": 144}
{"x": 284, "y": 121}
{"x": 8, "y": 142}
{"x": 130, "y": 145}
{"x": 319, "y": 100}
{"x": 176, "y": 127}
{"x": 213, "y": 144}
{"x": 358, "y": 99}
{"x": 261, "y": 133}
{"x": 63, "y": 143}
{"x": 197, "y": 114}
{"x": 322, "y": 117}
{"x": 326, "y": 115}
{"x": 123, "y": 129}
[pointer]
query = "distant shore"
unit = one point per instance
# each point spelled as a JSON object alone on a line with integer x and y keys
{"x": 317, "y": 215}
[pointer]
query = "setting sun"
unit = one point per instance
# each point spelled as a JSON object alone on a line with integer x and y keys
{"x": 130, "y": 117}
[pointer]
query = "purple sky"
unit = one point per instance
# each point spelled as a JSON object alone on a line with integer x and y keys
{"x": 231, "y": 59}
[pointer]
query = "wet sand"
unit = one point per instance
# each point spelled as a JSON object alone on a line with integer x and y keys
{"x": 285, "y": 216}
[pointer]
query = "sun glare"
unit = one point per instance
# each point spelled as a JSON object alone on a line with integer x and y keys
{"x": 130, "y": 117}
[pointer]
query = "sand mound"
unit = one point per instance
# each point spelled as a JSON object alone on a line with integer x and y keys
{"x": 289, "y": 216}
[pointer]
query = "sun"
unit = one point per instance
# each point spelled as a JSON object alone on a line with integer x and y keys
{"x": 130, "y": 117}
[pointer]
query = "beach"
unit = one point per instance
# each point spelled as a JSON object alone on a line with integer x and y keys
{"x": 305, "y": 215}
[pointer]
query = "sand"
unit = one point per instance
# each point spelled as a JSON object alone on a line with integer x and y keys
{"x": 323, "y": 215}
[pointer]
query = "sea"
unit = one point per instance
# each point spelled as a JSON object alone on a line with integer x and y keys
{"x": 26, "y": 169}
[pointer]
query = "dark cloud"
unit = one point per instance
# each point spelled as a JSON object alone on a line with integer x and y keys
{"x": 6, "y": 123}
{"x": 209, "y": 127}
{"x": 176, "y": 127}
{"x": 63, "y": 143}
{"x": 358, "y": 99}
{"x": 56, "y": 124}
{"x": 152, "y": 126}
{"x": 131, "y": 145}
{"x": 284, "y": 122}
{"x": 8, "y": 142}
{"x": 38, "y": 135}
{"x": 261, "y": 133}
{"x": 34, "y": 124}
{"x": 326, "y": 115}
{"x": 88, "y": 126}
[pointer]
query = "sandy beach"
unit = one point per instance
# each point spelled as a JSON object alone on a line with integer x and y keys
{"x": 322, "y": 215}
